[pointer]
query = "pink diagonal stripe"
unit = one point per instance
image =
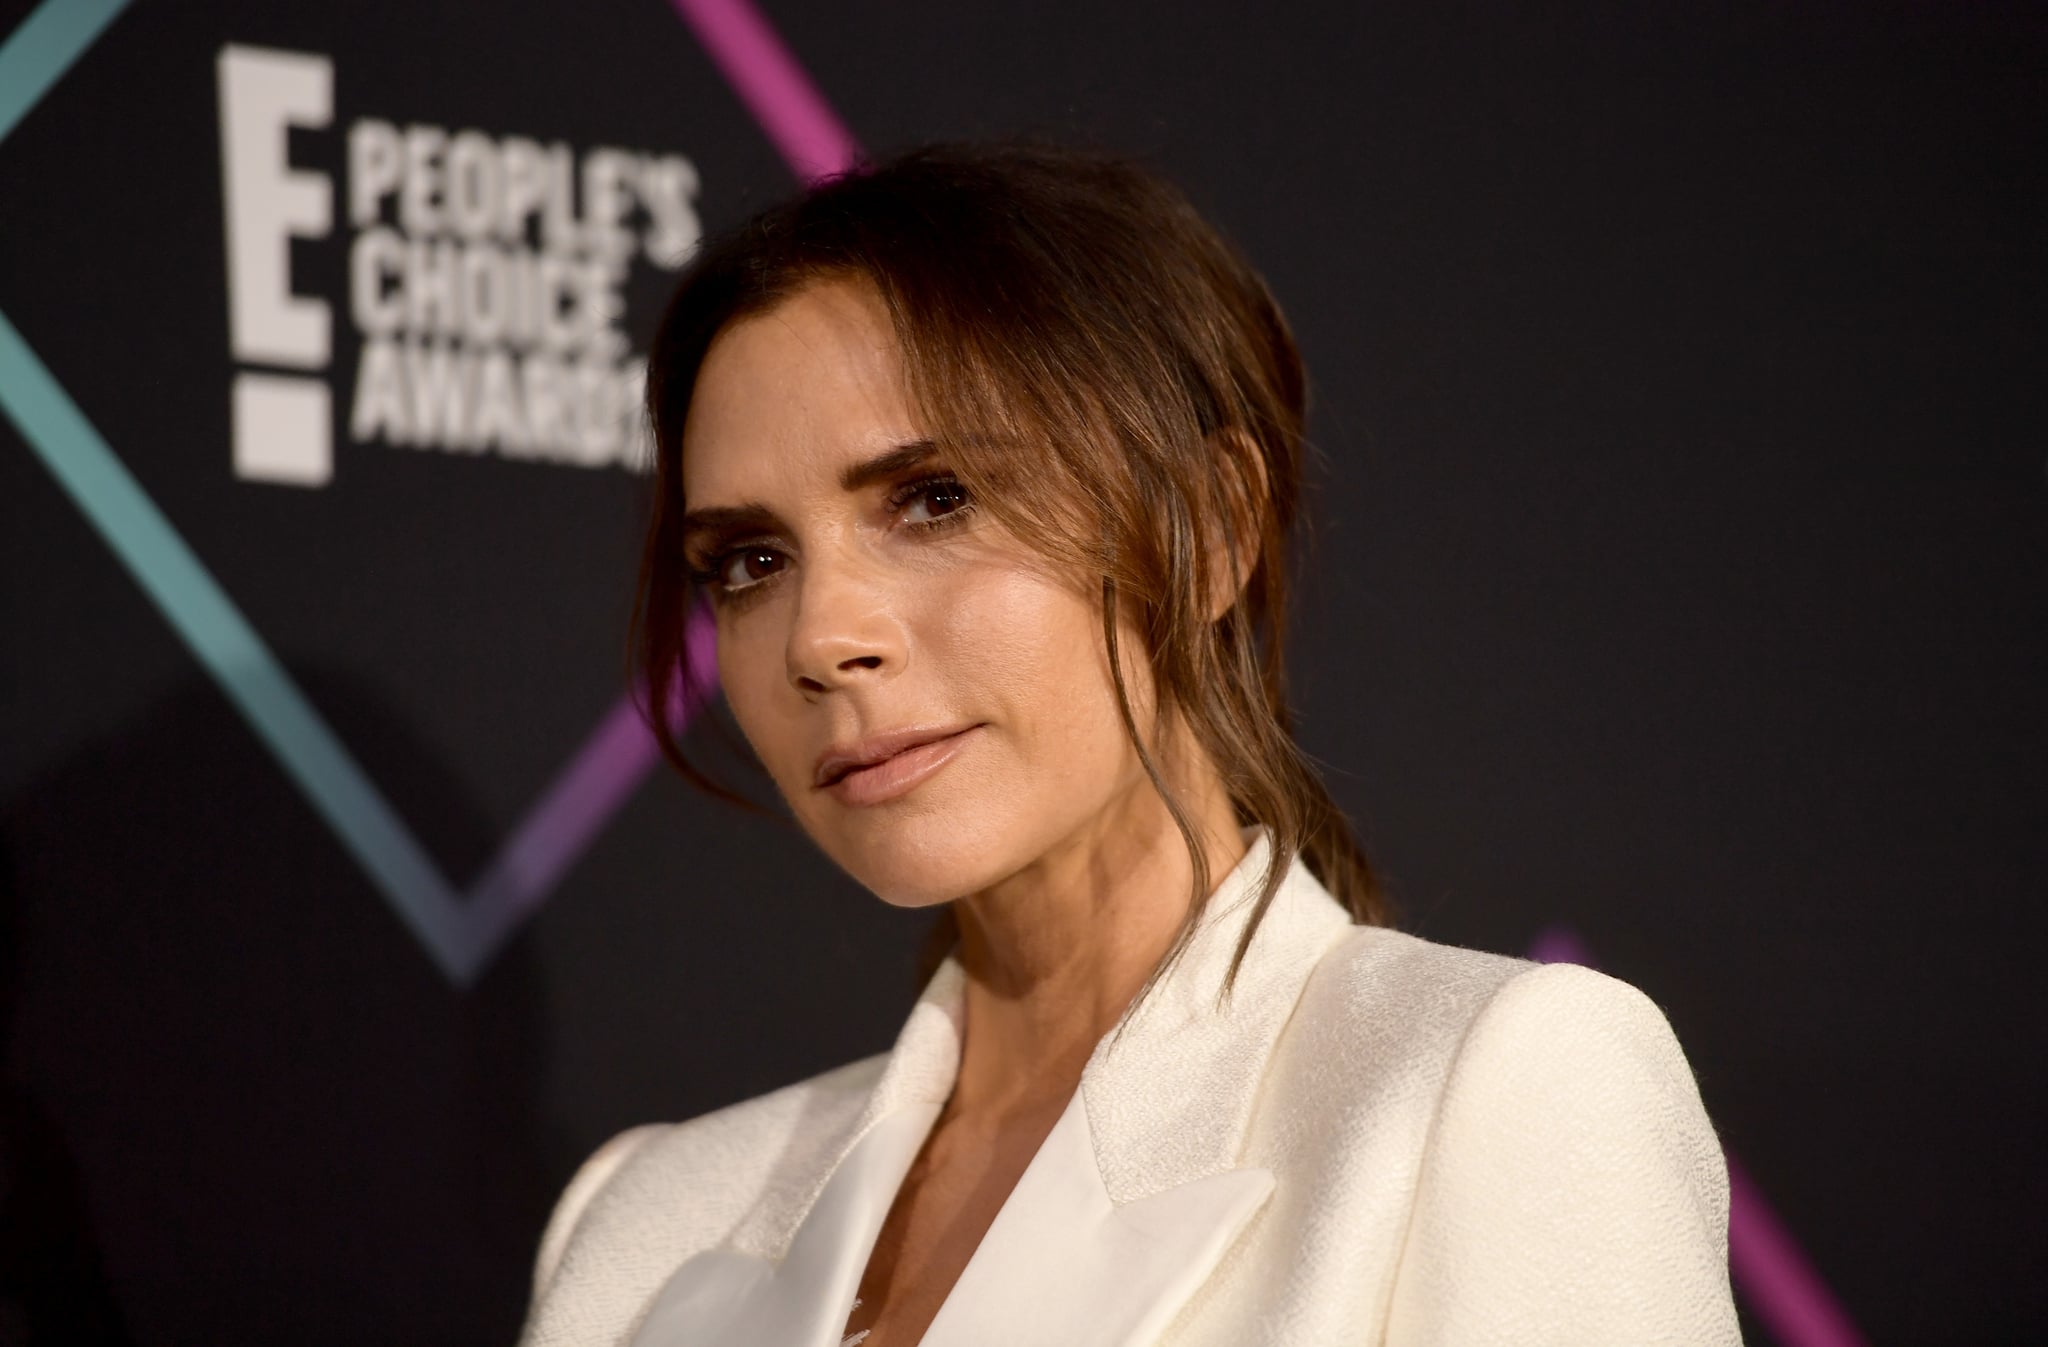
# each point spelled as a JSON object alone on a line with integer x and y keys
{"x": 1774, "y": 1275}
{"x": 1782, "y": 1287}
{"x": 768, "y": 79}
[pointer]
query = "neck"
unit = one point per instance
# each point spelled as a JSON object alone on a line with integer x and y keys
{"x": 1055, "y": 953}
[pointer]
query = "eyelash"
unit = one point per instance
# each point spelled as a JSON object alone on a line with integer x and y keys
{"x": 711, "y": 577}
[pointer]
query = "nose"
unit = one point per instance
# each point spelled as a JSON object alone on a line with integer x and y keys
{"x": 845, "y": 631}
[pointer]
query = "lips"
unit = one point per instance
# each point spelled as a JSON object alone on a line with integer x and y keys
{"x": 841, "y": 760}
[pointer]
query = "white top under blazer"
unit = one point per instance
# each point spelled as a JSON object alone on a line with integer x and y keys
{"x": 1376, "y": 1140}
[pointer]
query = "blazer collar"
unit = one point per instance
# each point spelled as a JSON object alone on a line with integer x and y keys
{"x": 1145, "y": 1139}
{"x": 1132, "y": 1199}
{"x": 1149, "y": 1139}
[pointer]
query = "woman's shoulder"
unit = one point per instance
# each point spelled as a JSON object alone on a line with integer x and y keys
{"x": 1374, "y": 969}
{"x": 1383, "y": 999}
{"x": 747, "y": 1134}
{"x": 719, "y": 1158}
{"x": 1562, "y": 1166}
{"x": 763, "y": 1118}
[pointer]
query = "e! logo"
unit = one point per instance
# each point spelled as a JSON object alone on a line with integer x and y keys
{"x": 282, "y": 424}
{"x": 487, "y": 280}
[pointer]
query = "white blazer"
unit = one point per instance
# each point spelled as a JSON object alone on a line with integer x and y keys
{"x": 1377, "y": 1140}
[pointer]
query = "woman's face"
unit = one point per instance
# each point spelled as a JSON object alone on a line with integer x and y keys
{"x": 934, "y": 702}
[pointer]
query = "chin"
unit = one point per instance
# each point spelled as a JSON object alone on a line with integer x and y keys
{"x": 914, "y": 857}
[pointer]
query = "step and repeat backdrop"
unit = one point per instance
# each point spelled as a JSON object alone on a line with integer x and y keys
{"x": 1679, "y": 601}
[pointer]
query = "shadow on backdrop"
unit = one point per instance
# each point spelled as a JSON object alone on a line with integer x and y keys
{"x": 240, "y": 1104}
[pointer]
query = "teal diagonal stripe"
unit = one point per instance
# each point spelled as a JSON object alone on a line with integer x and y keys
{"x": 224, "y": 642}
{"x": 37, "y": 54}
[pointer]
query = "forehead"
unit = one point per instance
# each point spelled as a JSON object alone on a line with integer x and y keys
{"x": 793, "y": 394}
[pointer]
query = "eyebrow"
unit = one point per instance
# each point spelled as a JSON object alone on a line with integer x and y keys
{"x": 726, "y": 520}
{"x": 887, "y": 464}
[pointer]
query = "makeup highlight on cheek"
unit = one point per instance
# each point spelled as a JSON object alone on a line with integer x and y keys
{"x": 1028, "y": 644}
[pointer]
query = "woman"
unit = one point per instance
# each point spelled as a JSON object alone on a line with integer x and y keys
{"x": 986, "y": 460}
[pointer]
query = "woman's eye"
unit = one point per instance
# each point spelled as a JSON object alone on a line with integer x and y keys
{"x": 933, "y": 500}
{"x": 749, "y": 566}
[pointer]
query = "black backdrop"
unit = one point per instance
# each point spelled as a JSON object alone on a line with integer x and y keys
{"x": 1683, "y": 582}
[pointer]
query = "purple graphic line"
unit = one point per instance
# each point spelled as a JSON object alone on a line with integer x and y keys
{"x": 772, "y": 84}
{"x": 1558, "y": 945}
{"x": 596, "y": 783}
{"x": 1782, "y": 1287}
{"x": 1775, "y": 1277}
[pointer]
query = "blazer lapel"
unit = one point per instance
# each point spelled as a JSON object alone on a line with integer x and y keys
{"x": 728, "y": 1297}
{"x": 1129, "y": 1204}
{"x": 1170, "y": 1094}
{"x": 788, "y": 1274}
{"x": 1063, "y": 1263}
{"x": 1139, "y": 1190}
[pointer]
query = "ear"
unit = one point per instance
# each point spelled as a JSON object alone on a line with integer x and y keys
{"x": 1236, "y": 526}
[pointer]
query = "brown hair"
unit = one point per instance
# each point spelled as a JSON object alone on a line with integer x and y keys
{"x": 1070, "y": 310}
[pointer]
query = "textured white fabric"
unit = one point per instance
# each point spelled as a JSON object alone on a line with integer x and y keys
{"x": 730, "y": 1295}
{"x": 1375, "y": 1140}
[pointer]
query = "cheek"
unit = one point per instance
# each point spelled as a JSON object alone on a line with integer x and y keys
{"x": 987, "y": 638}
{"x": 1031, "y": 651}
